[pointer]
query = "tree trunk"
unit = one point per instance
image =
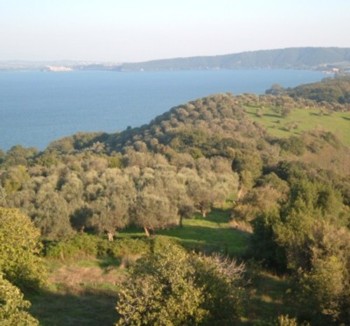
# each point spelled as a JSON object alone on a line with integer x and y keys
{"x": 180, "y": 222}
{"x": 240, "y": 193}
{"x": 110, "y": 236}
{"x": 146, "y": 231}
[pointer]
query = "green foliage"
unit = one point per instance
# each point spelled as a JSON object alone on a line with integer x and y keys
{"x": 328, "y": 90}
{"x": 179, "y": 165}
{"x": 19, "y": 155}
{"x": 248, "y": 165}
{"x": 307, "y": 236}
{"x": 264, "y": 241}
{"x": 172, "y": 287}
{"x": 78, "y": 246}
{"x": 14, "y": 178}
{"x": 84, "y": 245}
{"x": 154, "y": 211}
{"x": 221, "y": 280}
{"x": 19, "y": 250}
{"x": 323, "y": 289}
{"x": 295, "y": 58}
{"x": 161, "y": 291}
{"x": 13, "y": 307}
{"x": 294, "y": 145}
{"x": 304, "y": 118}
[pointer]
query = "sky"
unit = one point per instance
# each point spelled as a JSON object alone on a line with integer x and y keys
{"x": 136, "y": 30}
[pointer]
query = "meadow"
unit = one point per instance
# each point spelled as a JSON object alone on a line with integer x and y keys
{"x": 300, "y": 120}
{"x": 83, "y": 287}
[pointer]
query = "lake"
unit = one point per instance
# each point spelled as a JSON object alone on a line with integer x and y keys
{"x": 39, "y": 107}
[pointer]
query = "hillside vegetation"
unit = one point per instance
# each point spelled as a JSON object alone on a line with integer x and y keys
{"x": 297, "y": 58}
{"x": 225, "y": 210}
{"x": 328, "y": 92}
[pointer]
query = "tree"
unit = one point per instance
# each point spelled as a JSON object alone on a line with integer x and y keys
{"x": 248, "y": 165}
{"x": 110, "y": 207}
{"x": 200, "y": 192}
{"x": 161, "y": 290}
{"x": 14, "y": 178}
{"x": 153, "y": 210}
{"x": 13, "y": 306}
{"x": 19, "y": 250}
{"x": 220, "y": 279}
{"x": 52, "y": 214}
{"x": 110, "y": 214}
{"x": 324, "y": 288}
{"x": 80, "y": 218}
{"x": 173, "y": 287}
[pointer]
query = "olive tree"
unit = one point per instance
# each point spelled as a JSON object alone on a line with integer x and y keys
{"x": 153, "y": 210}
{"x": 110, "y": 214}
{"x": 110, "y": 209}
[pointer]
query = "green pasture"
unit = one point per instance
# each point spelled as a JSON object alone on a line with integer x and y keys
{"x": 83, "y": 291}
{"x": 300, "y": 120}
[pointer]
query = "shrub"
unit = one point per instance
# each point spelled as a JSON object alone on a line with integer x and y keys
{"x": 173, "y": 287}
{"x": 13, "y": 307}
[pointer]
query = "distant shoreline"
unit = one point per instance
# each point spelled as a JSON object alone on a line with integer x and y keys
{"x": 325, "y": 59}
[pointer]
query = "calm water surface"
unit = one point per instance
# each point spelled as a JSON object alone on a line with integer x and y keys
{"x": 37, "y": 107}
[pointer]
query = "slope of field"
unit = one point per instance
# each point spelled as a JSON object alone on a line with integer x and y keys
{"x": 300, "y": 120}
{"x": 83, "y": 288}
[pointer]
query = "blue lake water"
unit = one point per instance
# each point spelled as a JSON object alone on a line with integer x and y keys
{"x": 37, "y": 107}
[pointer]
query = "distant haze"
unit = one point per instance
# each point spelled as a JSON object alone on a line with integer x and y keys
{"x": 139, "y": 30}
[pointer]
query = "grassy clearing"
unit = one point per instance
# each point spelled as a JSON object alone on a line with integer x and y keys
{"x": 83, "y": 290}
{"x": 56, "y": 308}
{"x": 266, "y": 299}
{"x": 208, "y": 234}
{"x": 213, "y": 233}
{"x": 301, "y": 120}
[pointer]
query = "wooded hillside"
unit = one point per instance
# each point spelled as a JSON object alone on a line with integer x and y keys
{"x": 288, "y": 193}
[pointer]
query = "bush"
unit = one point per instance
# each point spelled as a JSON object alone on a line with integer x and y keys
{"x": 173, "y": 287}
{"x": 80, "y": 245}
{"x": 19, "y": 250}
{"x": 94, "y": 246}
{"x": 13, "y": 307}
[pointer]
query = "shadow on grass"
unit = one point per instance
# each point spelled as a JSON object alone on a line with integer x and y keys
{"x": 89, "y": 308}
{"x": 217, "y": 215}
{"x": 267, "y": 300}
{"x": 108, "y": 262}
{"x": 271, "y": 115}
{"x": 211, "y": 234}
{"x": 346, "y": 118}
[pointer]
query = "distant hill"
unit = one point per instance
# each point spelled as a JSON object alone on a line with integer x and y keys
{"x": 299, "y": 58}
{"x": 309, "y": 58}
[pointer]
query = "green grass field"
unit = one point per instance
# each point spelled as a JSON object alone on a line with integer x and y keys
{"x": 209, "y": 234}
{"x": 300, "y": 120}
{"x": 83, "y": 291}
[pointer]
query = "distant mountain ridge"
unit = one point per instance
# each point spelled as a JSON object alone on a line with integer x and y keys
{"x": 308, "y": 58}
{"x": 300, "y": 58}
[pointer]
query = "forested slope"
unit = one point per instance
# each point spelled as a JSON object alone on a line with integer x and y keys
{"x": 293, "y": 190}
{"x": 329, "y": 91}
{"x": 297, "y": 58}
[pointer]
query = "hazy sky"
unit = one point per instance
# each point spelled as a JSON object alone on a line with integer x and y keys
{"x": 137, "y": 30}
